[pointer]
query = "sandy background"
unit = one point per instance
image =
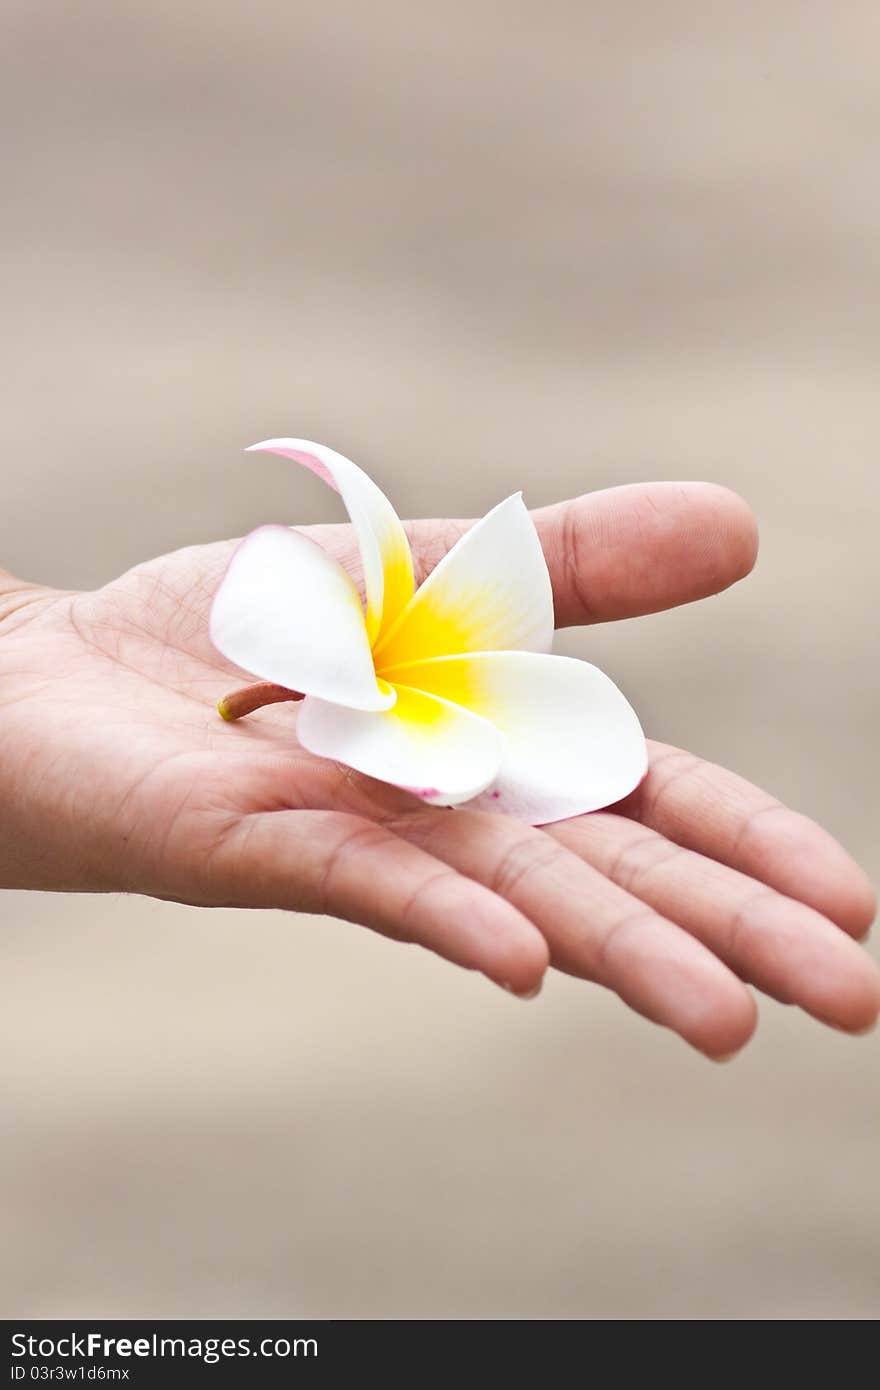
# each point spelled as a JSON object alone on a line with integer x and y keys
{"x": 476, "y": 246}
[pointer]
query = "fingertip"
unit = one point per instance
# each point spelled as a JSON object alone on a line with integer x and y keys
{"x": 829, "y": 975}
{"x": 522, "y": 994}
{"x": 801, "y": 859}
{"x": 518, "y": 958}
{"x": 717, "y": 1013}
{"x": 741, "y": 530}
{"x": 858, "y": 906}
{"x": 868, "y": 1028}
{"x": 706, "y": 1003}
{"x": 730, "y": 1027}
{"x": 851, "y": 989}
{"x": 837, "y": 885}
{"x": 471, "y": 926}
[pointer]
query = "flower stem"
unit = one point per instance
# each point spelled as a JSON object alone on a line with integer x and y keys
{"x": 252, "y": 697}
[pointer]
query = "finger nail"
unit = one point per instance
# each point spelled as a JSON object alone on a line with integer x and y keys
{"x": 851, "y": 1032}
{"x": 523, "y": 993}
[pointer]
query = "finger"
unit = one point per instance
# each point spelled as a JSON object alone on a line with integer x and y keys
{"x": 782, "y": 946}
{"x": 322, "y": 861}
{"x": 594, "y": 928}
{"x": 629, "y": 550}
{"x": 615, "y": 553}
{"x": 644, "y": 547}
{"x": 708, "y": 809}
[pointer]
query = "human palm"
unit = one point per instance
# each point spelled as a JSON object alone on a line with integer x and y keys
{"x": 118, "y": 775}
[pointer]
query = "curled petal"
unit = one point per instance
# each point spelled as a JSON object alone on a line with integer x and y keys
{"x": 573, "y": 742}
{"x": 490, "y": 592}
{"x": 385, "y": 552}
{"x": 429, "y": 747}
{"x": 287, "y": 612}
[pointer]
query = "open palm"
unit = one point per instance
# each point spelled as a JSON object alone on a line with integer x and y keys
{"x": 118, "y": 775}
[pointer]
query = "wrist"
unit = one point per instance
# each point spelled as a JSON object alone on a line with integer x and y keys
{"x": 38, "y": 844}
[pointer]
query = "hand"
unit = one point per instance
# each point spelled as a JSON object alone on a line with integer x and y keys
{"x": 116, "y": 774}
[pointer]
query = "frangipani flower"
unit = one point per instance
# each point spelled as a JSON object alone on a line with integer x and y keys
{"x": 449, "y": 690}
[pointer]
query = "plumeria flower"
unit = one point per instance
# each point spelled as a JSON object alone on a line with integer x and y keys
{"x": 450, "y": 690}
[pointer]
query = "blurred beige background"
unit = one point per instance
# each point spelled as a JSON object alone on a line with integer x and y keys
{"x": 480, "y": 246}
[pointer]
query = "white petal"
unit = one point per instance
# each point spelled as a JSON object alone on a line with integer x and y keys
{"x": 290, "y": 614}
{"x": 431, "y": 748}
{"x": 574, "y": 743}
{"x": 385, "y": 552}
{"x": 490, "y": 592}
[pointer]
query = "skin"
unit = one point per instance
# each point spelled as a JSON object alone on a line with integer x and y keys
{"x": 117, "y": 775}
